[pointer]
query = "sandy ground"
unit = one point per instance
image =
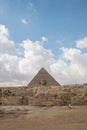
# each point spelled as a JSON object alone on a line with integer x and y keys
{"x": 53, "y": 118}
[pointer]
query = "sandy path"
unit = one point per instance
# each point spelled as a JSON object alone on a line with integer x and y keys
{"x": 55, "y": 118}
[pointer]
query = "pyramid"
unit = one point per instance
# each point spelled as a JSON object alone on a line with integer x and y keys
{"x": 43, "y": 78}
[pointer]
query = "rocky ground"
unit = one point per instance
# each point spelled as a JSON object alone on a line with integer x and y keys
{"x": 43, "y": 118}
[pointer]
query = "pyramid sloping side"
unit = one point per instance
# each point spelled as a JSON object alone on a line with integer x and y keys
{"x": 43, "y": 75}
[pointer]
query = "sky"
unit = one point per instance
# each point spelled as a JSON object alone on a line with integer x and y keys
{"x": 43, "y": 33}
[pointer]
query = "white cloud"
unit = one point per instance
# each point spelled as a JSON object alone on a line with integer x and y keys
{"x": 6, "y": 45}
{"x": 82, "y": 43}
{"x": 44, "y": 39}
{"x": 3, "y": 30}
{"x": 35, "y": 56}
{"x": 70, "y": 53}
{"x": 8, "y": 67}
{"x": 77, "y": 66}
{"x": 70, "y": 67}
{"x": 24, "y": 21}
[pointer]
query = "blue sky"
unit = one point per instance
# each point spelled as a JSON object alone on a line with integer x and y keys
{"x": 59, "y": 20}
{"x": 57, "y": 25}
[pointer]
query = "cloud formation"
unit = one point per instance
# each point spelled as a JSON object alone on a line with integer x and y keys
{"x": 44, "y": 39}
{"x": 70, "y": 67}
{"x": 82, "y": 43}
{"x": 6, "y": 45}
{"x": 24, "y": 21}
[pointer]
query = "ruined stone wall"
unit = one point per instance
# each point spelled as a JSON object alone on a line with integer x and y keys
{"x": 44, "y": 96}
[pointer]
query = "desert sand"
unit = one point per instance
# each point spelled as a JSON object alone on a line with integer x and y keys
{"x": 45, "y": 118}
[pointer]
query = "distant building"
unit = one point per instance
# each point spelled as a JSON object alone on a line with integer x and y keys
{"x": 85, "y": 84}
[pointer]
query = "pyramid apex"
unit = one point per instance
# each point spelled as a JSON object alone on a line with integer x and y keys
{"x": 42, "y": 69}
